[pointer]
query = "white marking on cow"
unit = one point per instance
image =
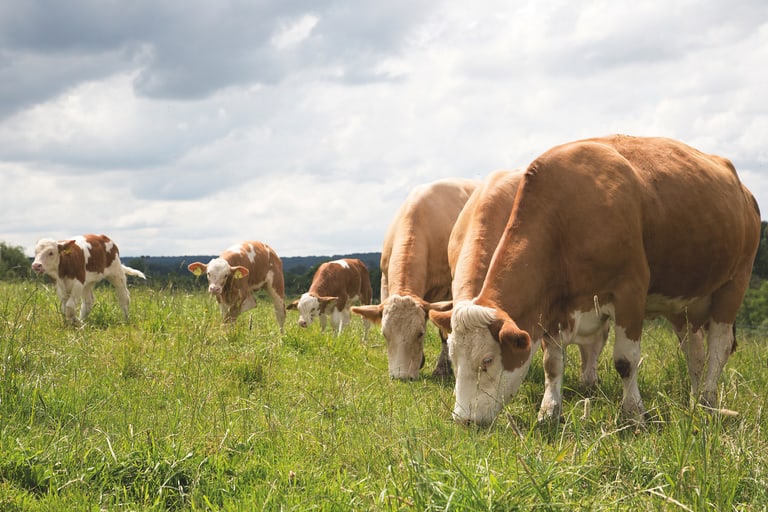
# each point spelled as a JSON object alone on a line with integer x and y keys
{"x": 342, "y": 263}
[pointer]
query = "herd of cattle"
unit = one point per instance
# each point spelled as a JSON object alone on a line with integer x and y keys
{"x": 615, "y": 229}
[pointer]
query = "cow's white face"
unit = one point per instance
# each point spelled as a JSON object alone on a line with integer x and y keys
{"x": 403, "y": 324}
{"x": 309, "y": 309}
{"x": 218, "y": 271}
{"x": 483, "y": 384}
{"x": 46, "y": 257}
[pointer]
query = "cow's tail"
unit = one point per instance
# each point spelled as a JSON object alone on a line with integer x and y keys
{"x": 133, "y": 272}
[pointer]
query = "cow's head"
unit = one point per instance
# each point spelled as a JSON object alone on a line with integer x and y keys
{"x": 310, "y": 307}
{"x": 403, "y": 323}
{"x": 48, "y": 254}
{"x": 490, "y": 357}
{"x": 218, "y": 271}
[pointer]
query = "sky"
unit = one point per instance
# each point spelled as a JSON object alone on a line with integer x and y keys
{"x": 180, "y": 127}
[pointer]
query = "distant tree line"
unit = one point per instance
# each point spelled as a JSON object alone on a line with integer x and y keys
{"x": 172, "y": 273}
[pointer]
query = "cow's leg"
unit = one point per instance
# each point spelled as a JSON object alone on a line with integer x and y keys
{"x": 228, "y": 312}
{"x": 64, "y": 291}
{"x": 88, "y": 301}
{"x": 345, "y": 317}
{"x": 552, "y": 403}
{"x": 70, "y": 301}
{"x": 443, "y": 367}
{"x": 336, "y": 321}
{"x": 279, "y": 304}
{"x": 590, "y": 348}
{"x": 692, "y": 345}
{"x": 719, "y": 345}
{"x": 366, "y": 326}
{"x": 323, "y": 319}
{"x": 121, "y": 289}
{"x": 626, "y": 360}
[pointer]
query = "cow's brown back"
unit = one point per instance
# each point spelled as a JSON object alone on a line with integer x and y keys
{"x": 414, "y": 257}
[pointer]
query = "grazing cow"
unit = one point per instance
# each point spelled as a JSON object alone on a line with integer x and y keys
{"x": 238, "y": 273}
{"x": 415, "y": 273}
{"x": 619, "y": 228}
{"x": 334, "y": 286}
{"x": 473, "y": 240}
{"x": 76, "y": 266}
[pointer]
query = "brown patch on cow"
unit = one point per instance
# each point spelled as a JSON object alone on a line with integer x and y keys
{"x": 71, "y": 261}
{"x": 623, "y": 368}
{"x": 100, "y": 258}
{"x": 515, "y": 344}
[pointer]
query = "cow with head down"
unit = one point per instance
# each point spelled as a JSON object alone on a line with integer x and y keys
{"x": 238, "y": 273}
{"x": 616, "y": 228}
{"x": 335, "y": 285}
{"x": 473, "y": 241}
{"x": 77, "y": 265}
{"x": 415, "y": 275}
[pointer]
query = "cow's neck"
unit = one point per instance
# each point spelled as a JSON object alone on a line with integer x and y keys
{"x": 523, "y": 279}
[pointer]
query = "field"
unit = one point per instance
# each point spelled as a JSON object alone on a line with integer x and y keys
{"x": 172, "y": 411}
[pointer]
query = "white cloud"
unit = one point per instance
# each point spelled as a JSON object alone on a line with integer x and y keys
{"x": 291, "y": 35}
{"x": 180, "y": 130}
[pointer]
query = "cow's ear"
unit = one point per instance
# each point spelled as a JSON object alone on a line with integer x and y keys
{"x": 293, "y": 305}
{"x": 239, "y": 272}
{"x": 515, "y": 344}
{"x": 66, "y": 247}
{"x": 442, "y": 319}
{"x": 444, "y": 305}
{"x": 326, "y": 302}
{"x": 197, "y": 268}
{"x": 372, "y": 312}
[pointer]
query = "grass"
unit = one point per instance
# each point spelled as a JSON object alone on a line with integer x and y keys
{"x": 174, "y": 411}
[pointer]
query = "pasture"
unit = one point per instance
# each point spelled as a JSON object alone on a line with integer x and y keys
{"x": 174, "y": 411}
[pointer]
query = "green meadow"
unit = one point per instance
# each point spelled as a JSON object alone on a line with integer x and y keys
{"x": 173, "y": 411}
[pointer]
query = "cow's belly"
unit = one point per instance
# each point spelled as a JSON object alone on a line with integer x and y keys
{"x": 656, "y": 305}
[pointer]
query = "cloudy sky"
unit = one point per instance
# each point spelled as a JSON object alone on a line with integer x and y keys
{"x": 181, "y": 126}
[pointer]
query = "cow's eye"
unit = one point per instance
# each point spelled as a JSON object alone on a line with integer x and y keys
{"x": 488, "y": 361}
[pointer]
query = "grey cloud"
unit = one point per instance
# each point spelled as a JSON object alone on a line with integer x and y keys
{"x": 189, "y": 49}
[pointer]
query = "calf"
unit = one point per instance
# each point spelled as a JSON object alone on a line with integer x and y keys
{"x": 238, "y": 273}
{"x": 334, "y": 286}
{"x": 76, "y": 266}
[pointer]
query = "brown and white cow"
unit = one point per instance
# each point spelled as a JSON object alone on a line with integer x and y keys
{"x": 473, "y": 241}
{"x": 76, "y": 265}
{"x": 619, "y": 228}
{"x": 238, "y": 273}
{"x": 335, "y": 285}
{"x": 415, "y": 273}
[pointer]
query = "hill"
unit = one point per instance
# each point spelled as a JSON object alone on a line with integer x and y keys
{"x": 298, "y": 270}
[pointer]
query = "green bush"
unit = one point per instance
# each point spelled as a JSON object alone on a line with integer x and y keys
{"x": 13, "y": 263}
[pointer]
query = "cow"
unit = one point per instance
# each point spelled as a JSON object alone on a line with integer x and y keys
{"x": 616, "y": 228}
{"x": 335, "y": 285}
{"x": 415, "y": 274}
{"x": 76, "y": 265}
{"x": 238, "y": 273}
{"x": 474, "y": 238}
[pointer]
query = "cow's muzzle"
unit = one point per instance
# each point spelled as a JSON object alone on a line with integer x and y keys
{"x": 38, "y": 267}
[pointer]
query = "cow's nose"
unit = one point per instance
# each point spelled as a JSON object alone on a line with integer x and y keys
{"x": 214, "y": 289}
{"x": 302, "y": 323}
{"x": 37, "y": 267}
